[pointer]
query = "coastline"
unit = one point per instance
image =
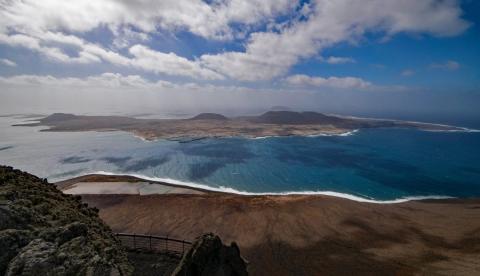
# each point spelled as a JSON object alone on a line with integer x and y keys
{"x": 315, "y": 234}
{"x": 101, "y": 176}
{"x": 210, "y": 125}
{"x": 457, "y": 128}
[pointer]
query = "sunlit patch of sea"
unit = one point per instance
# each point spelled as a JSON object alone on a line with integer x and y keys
{"x": 375, "y": 164}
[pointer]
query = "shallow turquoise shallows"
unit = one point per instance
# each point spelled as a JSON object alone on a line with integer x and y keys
{"x": 379, "y": 164}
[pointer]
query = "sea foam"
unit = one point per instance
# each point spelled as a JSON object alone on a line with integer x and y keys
{"x": 229, "y": 190}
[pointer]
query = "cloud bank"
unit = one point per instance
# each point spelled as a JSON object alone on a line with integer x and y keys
{"x": 275, "y": 34}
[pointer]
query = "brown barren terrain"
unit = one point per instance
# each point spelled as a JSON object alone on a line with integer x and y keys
{"x": 272, "y": 123}
{"x": 310, "y": 234}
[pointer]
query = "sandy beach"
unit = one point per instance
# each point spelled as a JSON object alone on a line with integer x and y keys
{"x": 299, "y": 234}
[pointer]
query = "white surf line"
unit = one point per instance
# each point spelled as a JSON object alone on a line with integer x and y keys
{"x": 460, "y": 129}
{"x": 142, "y": 138}
{"x": 262, "y": 137}
{"x": 223, "y": 189}
{"x": 343, "y": 134}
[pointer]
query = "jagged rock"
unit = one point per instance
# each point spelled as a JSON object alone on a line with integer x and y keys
{"x": 37, "y": 258}
{"x": 11, "y": 241}
{"x": 209, "y": 256}
{"x": 45, "y": 232}
{"x": 6, "y": 219}
{"x": 71, "y": 231}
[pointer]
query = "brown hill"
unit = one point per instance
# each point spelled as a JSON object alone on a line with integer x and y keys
{"x": 296, "y": 118}
{"x": 209, "y": 116}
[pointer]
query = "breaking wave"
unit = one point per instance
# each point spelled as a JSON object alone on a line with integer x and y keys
{"x": 229, "y": 190}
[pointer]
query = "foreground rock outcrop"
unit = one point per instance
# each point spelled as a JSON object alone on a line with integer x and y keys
{"x": 209, "y": 256}
{"x": 45, "y": 232}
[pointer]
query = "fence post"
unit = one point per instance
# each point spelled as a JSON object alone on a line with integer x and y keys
{"x": 134, "y": 245}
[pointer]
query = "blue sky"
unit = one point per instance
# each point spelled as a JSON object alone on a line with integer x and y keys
{"x": 253, "y": 47}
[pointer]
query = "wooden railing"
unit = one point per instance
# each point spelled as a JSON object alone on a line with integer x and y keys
{"x": 154, "y": 243}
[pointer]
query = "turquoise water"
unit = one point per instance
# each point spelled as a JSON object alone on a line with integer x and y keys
{"x": 380, "y": 164}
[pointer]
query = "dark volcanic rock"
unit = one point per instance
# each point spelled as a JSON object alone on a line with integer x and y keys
{"x": 295, "y": 118}
{"x": 209, "y": 116}
{"x": 280, "y": 108}
{"x": 45, "y": 232}
{"x": 55, "y": 117}
{"x": 38, "y": 257}
{"x": 209, "y": 256}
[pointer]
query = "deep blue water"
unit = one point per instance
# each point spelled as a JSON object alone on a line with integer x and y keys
{"x": 381, "y": 164}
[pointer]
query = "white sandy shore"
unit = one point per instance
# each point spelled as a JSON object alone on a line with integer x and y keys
{"x": 131, "y": 188}
{"x": 182, "y": 187}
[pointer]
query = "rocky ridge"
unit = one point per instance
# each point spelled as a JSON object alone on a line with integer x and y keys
{"x": 46, "y": 232}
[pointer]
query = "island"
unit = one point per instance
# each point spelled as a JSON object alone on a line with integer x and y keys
{"x": 271, "y": 123}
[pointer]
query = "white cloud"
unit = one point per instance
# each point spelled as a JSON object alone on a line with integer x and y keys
{"x": 196, "y": 16}
{"x": 43, "y": 26}
{"x": 331, "y": 82}
{"x": 337, "y": 60}
{"x": 125, "y": 37}
{"x": 106, "y": 80}
{"x": 450, "y": 65}
{"x": 48, "y": 26}
{"x": 8, "y": 62}
{"x": 132, "y": 94}
{"x": 39, "y": 45}
{"x": 19, "y": 40}
{"x": 109, "y": 81}
{"x": 271, "y": 54}
{"x": 170, "y": 64}
{"x": 144, "y": 58}
{"x": 116, "y": 80}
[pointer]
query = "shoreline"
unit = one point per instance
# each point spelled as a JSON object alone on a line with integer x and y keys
{"x": 312, "y": 233}
{"x": 457, "y": 128}
{"x": 210, "y": 125}
{"x": 205, "y": 189}
{"x": 193, "y": 138}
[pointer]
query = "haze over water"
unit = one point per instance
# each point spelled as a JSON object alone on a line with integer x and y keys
{"x": 379, "y": 164}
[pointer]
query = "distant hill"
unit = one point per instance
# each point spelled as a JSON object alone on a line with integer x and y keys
{"x": 280, "y": 108}
{"x": 296, "y": 118}
{"x": 209, "y": 116}
{"x": 58, "y": 117}
{"x": 271, "y": 123}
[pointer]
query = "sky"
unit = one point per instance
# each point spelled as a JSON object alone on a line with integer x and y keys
{"x": 370, "y": 57}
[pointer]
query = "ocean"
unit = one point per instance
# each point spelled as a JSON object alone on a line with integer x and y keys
{"x": 379, "y": 165}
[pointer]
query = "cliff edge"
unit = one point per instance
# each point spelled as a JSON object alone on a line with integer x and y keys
{"x": 46, "y": 232}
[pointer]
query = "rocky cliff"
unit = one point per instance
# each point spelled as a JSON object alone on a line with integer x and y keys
{"x": 46, "y": 232}
{"x": 209, "y": 256}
